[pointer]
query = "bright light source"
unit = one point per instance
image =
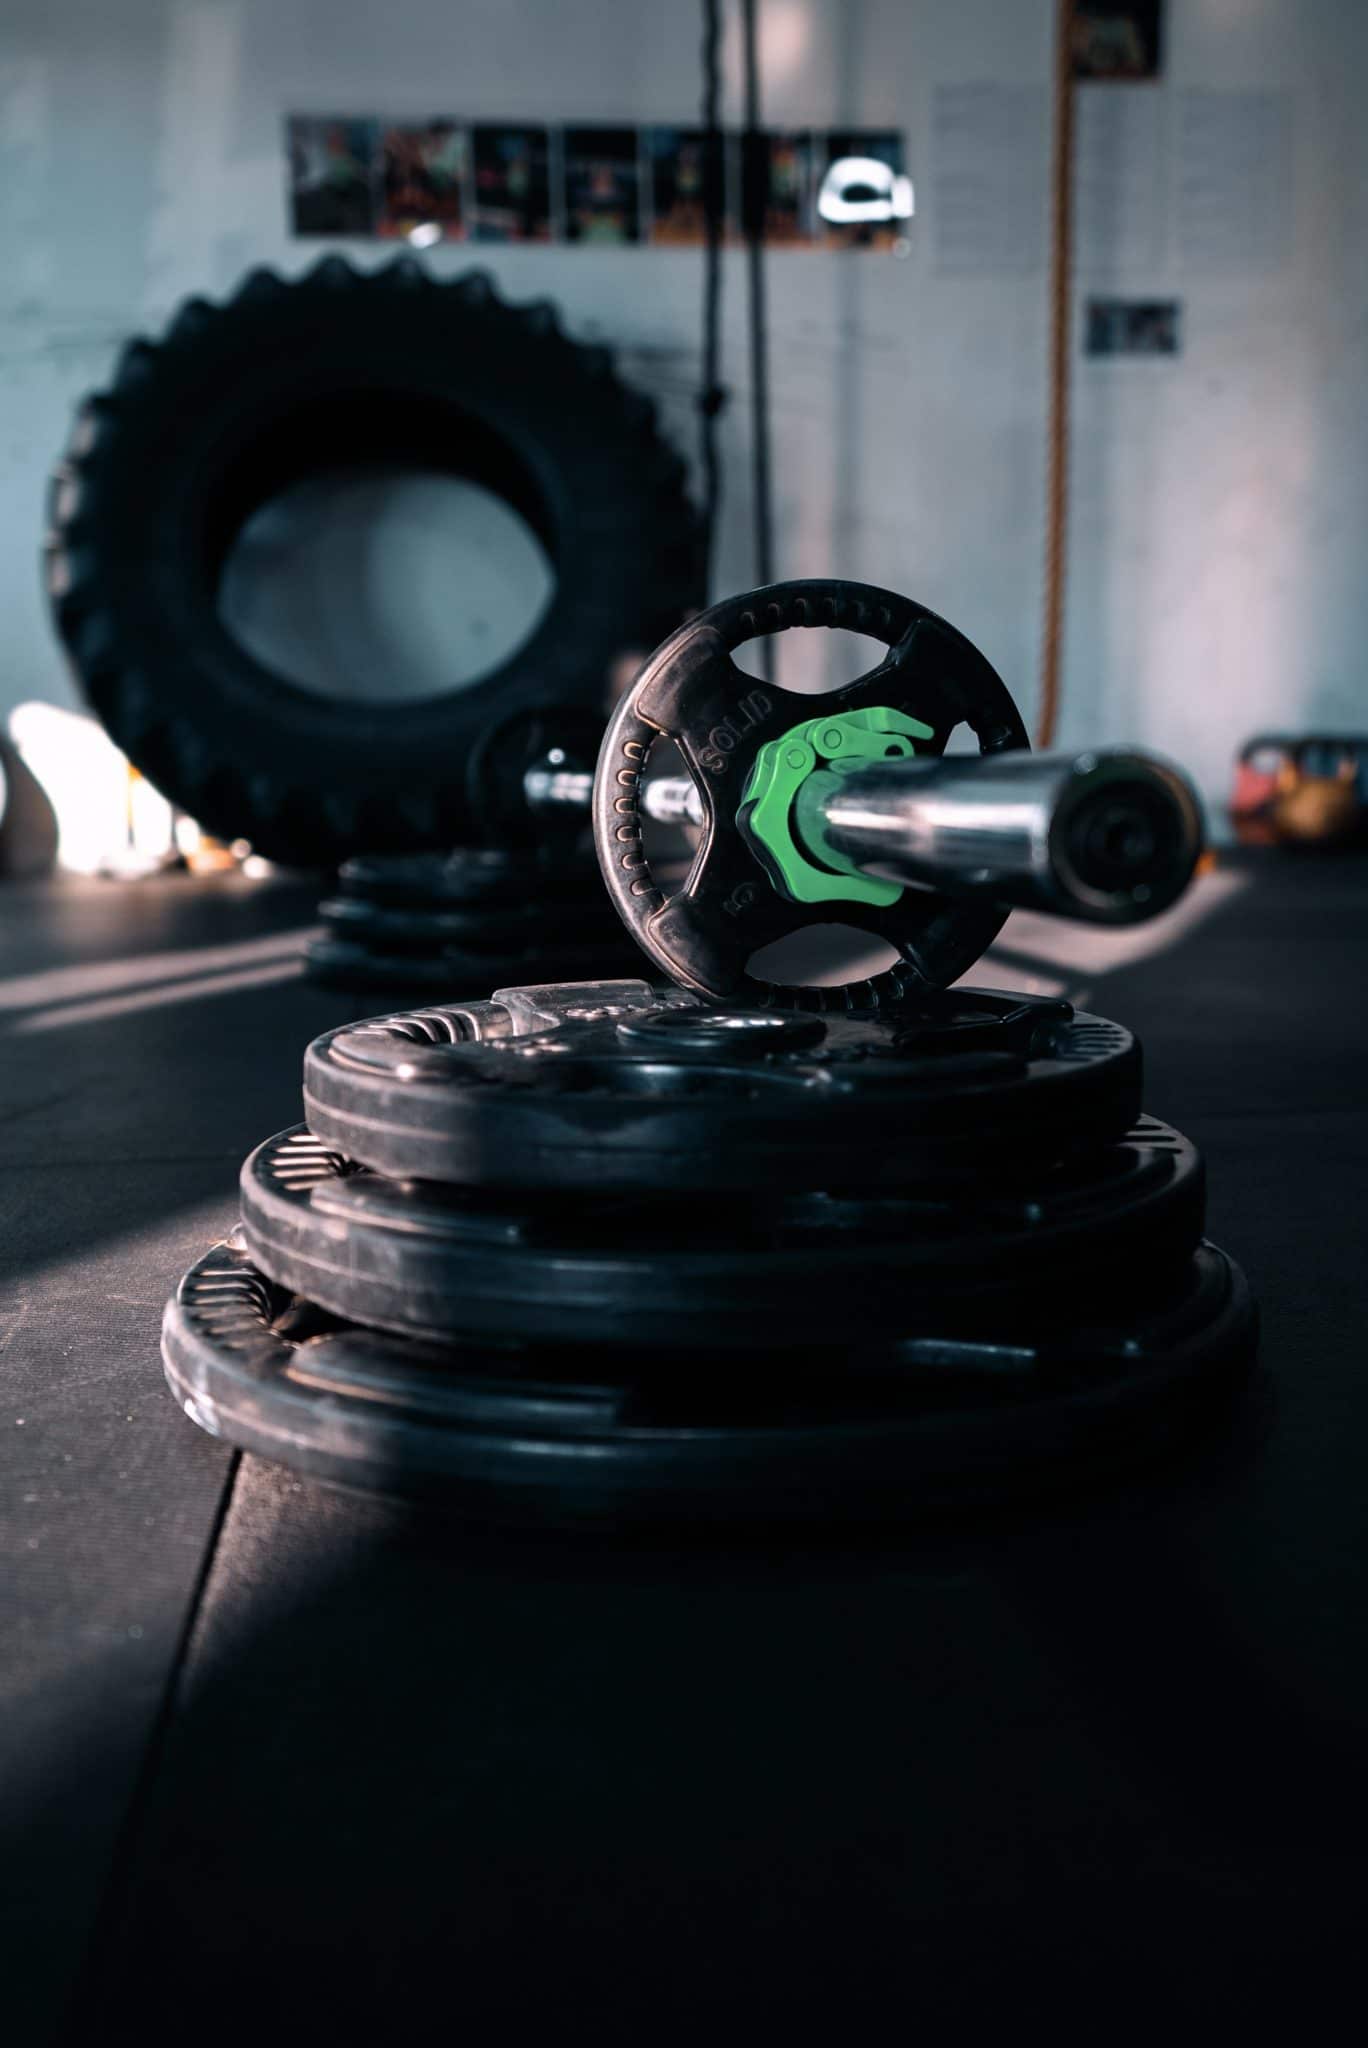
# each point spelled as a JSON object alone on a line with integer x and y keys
{"x": 87, "y": 783}
{"x": 149, "y": 817}
{"x": 425, "y": 234}
{"x": 189, "y": 838}
{"x": 860, "y": 190}
{"x": 109, "y": 819}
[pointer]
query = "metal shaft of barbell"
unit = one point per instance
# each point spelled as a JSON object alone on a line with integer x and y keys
{"x": 1110, "y": 836}
{"x": 672, "y": 799}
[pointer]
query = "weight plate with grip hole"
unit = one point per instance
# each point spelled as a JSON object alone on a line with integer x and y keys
{"x": 428, "y": 1260}
{"x": 692, "y": 693}
{"x": 619, "y": 1086}
{"x": 559, "y": 1434}
{"x": 343, "y": 964}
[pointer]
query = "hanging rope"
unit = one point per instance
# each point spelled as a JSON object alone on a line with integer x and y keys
{"x": 1061, "y": 354}
{"x": 712, "y": 396}
{"x": 754, "y": 191}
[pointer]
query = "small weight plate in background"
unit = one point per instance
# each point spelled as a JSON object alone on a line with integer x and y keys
{"x": 337, "y": 963}
{"x": 469, "y": 877}
{"x": 657, "y": 1093}
{"x": 552, "y": 1434}
{"x": 499, "y": 931}
{"x": 681, "y": 1273}
{"x": 457, "y": 971}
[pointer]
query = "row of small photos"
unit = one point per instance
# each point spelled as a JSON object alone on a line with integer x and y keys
{"x": 448, "y": 180}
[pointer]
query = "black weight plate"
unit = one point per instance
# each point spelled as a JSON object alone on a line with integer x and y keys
{"x": 498, "y": 930}
{"x": 467, "y": 878}
{"x": 517, "y": 1432}
{"x": 668, "y": 1097}
{"x": 337, "y": 963}
{"x": 343, "y": 964}
{"x": 704, "y": 933}
{"x": 436, "y": 1261}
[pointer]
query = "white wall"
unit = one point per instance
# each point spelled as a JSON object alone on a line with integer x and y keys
{"x": 1220, "y": 501}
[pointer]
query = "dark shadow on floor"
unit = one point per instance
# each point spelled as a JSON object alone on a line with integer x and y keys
{"x": 407, "y": 1764}
{"x": 670, "y": 1792}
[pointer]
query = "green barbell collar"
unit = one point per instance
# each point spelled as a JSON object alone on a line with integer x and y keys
{"x": 781, "y": 818}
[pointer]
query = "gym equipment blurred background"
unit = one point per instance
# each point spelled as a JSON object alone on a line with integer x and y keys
{"x": 1215, "y": 501}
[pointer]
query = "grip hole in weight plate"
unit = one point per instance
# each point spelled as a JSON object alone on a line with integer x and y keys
{"x": 812, "y": 663}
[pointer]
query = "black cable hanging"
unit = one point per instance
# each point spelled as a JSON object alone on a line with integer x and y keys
{"x": 712, "y": 395}
{"x": 754, "y": 191}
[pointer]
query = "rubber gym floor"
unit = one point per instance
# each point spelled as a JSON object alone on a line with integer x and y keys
{"x": 278, "y": 1756}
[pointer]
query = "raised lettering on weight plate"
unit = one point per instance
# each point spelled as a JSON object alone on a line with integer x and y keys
{"x": 728, "y": 731}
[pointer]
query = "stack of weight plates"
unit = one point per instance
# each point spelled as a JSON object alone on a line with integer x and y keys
{"x": 433, "y": 923}
{"x": 597, "y": 1251}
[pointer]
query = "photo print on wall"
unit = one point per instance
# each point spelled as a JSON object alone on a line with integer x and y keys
{"x": 863, "y": 193}
{"x": 423, "y": 179}
{"x": 602, "y": 185}
{"x": 789, "y": 201}
{"x": 676, "y": 160}
{"x": 1133, "y": 327}
{"x": 511, "y": 184}
{"x": 333, "y": 169}
{"x": 1120, "y": 40}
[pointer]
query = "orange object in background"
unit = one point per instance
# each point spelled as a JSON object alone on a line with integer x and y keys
{"x": 1258, "y": 767}
{"x": 1309, "y": 790}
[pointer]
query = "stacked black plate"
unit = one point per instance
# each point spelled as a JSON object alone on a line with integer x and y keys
{"x": 595, "y": 1250}
{"x": 431, "y": 923}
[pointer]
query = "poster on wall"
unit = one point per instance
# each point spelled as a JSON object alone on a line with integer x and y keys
{"x": 1234, "y": 181}
{"x": 863, "y": 193}
{"x": 1120, "y": 182}
{"x": 602, "y": 185}
{"x": 333, "y": 165}
{"x": 675, "y": 164}
{"x": 1133, "y": 327}
{"x": 510, "y": 192}
{"x": 989, "y": 164}
{"x": 1117, "y": 39}
{"x": 422, "y": 185}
